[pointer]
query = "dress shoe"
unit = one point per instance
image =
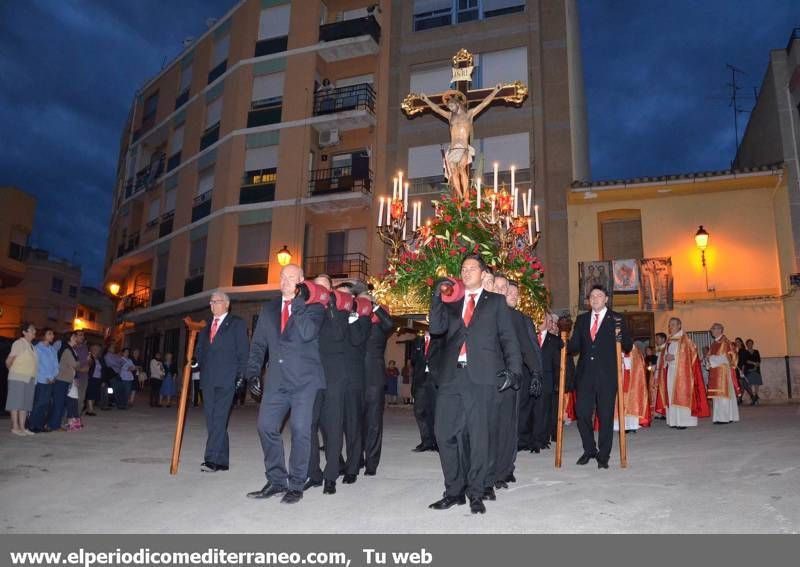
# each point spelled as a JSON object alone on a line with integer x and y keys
{"x": 419, "y": 448}
{"x": 208, "y": 466}
{"x": 292, "y": 497}
{"x": 267, "y": 491}
{"x": 535, "y": 450}
{"x": 511, "y": 478}
{"x": 602, "y": 463}
{"x": 488, "y": 494}
{"x": 546, "y": 445}
{"x": 370, "y": 473}
{"x": 681, "y": 428}
{"x": 448, "y": 502}
{"x": 500, "y": 484}
{"x": 476, "y": 506}
{"x": 349, "y": 479}
{"x": 311, "y": 484}
{"x": 585, "y": 458}
{"x": 330, "y": 487}
{"x": 222, "y": 467}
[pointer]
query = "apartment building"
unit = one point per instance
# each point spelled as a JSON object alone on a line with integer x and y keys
{"x": 279, "y": 128}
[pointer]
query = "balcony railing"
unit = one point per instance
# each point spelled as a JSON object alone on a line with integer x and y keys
{"x": 137, "y": 300}
{"x": 215, "y": 73}
{"x": 202, "y": 206}
{"x": 354, "y": 265}
{"x": 16, "y": 251}
{"x": 210, "y": 136}
{"x": 182, "y": 99}
{"x": 338, "y": 180}
{"x": 446, "y": 16}
{"x": 251, "y": 274}
{"x": 147, "y": 176}
{"x": 272, "y": 45}
{"x": 157, "y": 296}
{"x": 351, "y": 28}
{"x": 258, "y": 186}
{"x": 165, "y": 227}
{"x": 264, "y": 112}
{"x": 151, "y": 224}
{"x": 193, "y": 284}
{"x": 174, "y": 161}
{"x": 353, "y": 97}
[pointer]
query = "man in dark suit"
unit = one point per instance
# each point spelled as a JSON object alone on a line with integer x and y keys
{"x": 479, "y": 349}
{"x": 423, "y": 390}
{"x": 508, "y": 401}
{"x": 594, "y": 340}
{"x": 329, "y": 404}
{"x": 542, "y": 407}
{"x": 221, "y": 353}
{"x": 374, "y": 387}
{"x": 287, "y": 334}
{"x": 357, "y": 333}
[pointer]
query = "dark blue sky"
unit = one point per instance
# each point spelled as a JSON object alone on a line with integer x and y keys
{"x": 655, "y": 85}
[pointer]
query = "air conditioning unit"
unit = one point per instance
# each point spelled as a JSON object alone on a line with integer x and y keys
{"x": 328, "y": 138}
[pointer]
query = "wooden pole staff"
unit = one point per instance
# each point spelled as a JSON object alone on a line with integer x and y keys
{"x": 562, "y": 380}
{"x": 623, "y": 448}
{"x": 194, "y": 327}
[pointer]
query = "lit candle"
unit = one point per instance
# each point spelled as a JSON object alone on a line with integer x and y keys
{"x": 524, "y": 205}
{"x": 536, "y": 213}
{"x": 513, "y": 176}
{"x": 404, "y": 227}
{"x": 478, "y": 187}
{"x": 530, "y": 202}
{"x": 405, "y": 198}
{"x": 394, "y": 187}
{"x": 399, "y": 184}
{"x": 389, "y": 213}
{"x": 419, "y": 214}
{"x": 496, "y": 166}
{"x": 530, "y": 233}
{"x": 516, "y": 195}
{"x": 380, "y": 213}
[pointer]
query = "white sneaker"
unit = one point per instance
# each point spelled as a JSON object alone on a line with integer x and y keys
{"x": 18, "y": 432}
{"x": 28, "y": 432}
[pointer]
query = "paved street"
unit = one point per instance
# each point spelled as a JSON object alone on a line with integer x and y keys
{"x": 113, "y": 477}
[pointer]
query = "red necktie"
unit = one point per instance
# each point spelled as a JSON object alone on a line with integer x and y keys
{"x": 467, "y": 318}
{"x": 427, "y": 345}
{"x": 213, "y": 332}
{"x": 593, "y": 331}
{"x": 285, "y": 313}
{"x": 541, "y": 339}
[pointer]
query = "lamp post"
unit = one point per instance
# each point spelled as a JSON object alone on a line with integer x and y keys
{"x": 701, "y": 241}
{"x": 284, "y": 256}
{"x": 113, "y": 288}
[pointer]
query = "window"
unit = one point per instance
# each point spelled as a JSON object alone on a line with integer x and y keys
{"x": 253, "y": 244}
{"x": 58, "y": 285}
{"x": 268, "y": 89}
{"x": 468, "y": 10}
{"x": 150, "y": 106}
{"x": 436, "y": 13}
{"x": 169, "y": 200}
{"x": 73, "y": 291}
{"x": 213, "y": 112}
{"x": 220, "y": 53}
{"x": 205, "y": 182}
{"x": 431, "y": 80}
{"x": 265, "y": 157}
{"x": 176, "y": 143}
{"x": 153, "y": 210}
{"x": 16, "y": 248}
{"x": 186, "y": 80}
{"x": 499, "y": 7}
{"x": 620, "y": 234}
{"x": 357, "y": 80}
{"x": 504, "y": 66}
{"x": 274, "y": 22}
{"x": 161, "y": 270}
{"x": 508, "y": 150}
{"x": 432, "y": 14}
{"x": 197, "y": 256}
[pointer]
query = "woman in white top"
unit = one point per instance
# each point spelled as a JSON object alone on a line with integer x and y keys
{"x": 21, "y": 363}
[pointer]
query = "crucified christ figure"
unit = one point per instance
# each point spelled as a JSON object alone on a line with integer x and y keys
{"x": 460, "y": 153}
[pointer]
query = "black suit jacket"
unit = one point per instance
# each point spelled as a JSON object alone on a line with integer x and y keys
{"x": 375, "y": 348}
{"x": 492, "y": 343}
{"x": 598, "y": 359}
{"x": 293, "y": 355}
{"x": 221, "y": 361}
{"x": 419, "y": 360}
{"x": 551, "y": 362}
{"x": 529, "y": 346}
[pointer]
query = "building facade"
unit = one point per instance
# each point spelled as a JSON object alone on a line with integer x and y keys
{"x": 281, "y": 126}
{"x": 17, "y": 210}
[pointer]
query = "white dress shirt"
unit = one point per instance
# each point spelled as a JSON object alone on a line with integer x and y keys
{"x": 477, "y": 293}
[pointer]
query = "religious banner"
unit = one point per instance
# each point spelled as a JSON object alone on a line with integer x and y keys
{"x": 594, "y": 273}
{"x": 656, "y": 284}
{"x": 626, "y": 276}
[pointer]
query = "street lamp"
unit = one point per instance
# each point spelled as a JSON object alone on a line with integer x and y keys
{"x": 701, "y": 241}
{"x": 284, "y": 256}
{"x": 113, "y": 288}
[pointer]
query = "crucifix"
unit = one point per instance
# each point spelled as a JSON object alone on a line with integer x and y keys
{"x": 459, "y": 106}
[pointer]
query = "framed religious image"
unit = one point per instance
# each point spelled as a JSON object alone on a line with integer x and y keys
{"x": 656, "y": 284}
{"x": 593, "y": 273}
{"x": 626, "y": 276}
{"x": 641, "y": 326}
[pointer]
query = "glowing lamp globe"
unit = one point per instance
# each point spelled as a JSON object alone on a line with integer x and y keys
{"x": 701, "y": 238}
{"x": 284, "y": 256}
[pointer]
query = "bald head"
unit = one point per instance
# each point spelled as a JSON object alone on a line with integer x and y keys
{"x": 291, "y": 275}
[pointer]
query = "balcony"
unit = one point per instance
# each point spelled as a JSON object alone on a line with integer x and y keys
{"x": 350, "y": 38}
{"x": 193, "y": 284}
{"x": 147, "y": 176}
{"x": 339, "y": 266}
{"x": 345, "y": 108}
{"x": 251, "y": 274}
{"x": 258, "y": 186}
{"x": 16, "y": 251}
{"x": 130, "y": 244}
{"x": 157, "y": 296}
{"x": 173, "y": 161}
{"x": 138, "y": 300}
{"x": 202, "y": 206}
{"x": 217, "y": 71}
{"x": 271, "y": 45}
{"x": 264, "y": 112}
{"x": 338, "y": 180}
{"x": 210, "y": 136}
{"x": 182, "y": 99}
{"x": 165, "y": 226}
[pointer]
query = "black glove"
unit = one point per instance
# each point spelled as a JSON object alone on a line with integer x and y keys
{"x": 507, "y": 379}
{"x": 240, "y": 384}
{"x": 437, "y": 291}
{"x": 254, "y": 387}
{"x": 301, "y": 290}
{"x": 536, "y": 386}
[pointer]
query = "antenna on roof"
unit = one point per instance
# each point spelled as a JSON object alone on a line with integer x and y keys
{"x": 210, "y": 22}
{"x": 187, "y": 41}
